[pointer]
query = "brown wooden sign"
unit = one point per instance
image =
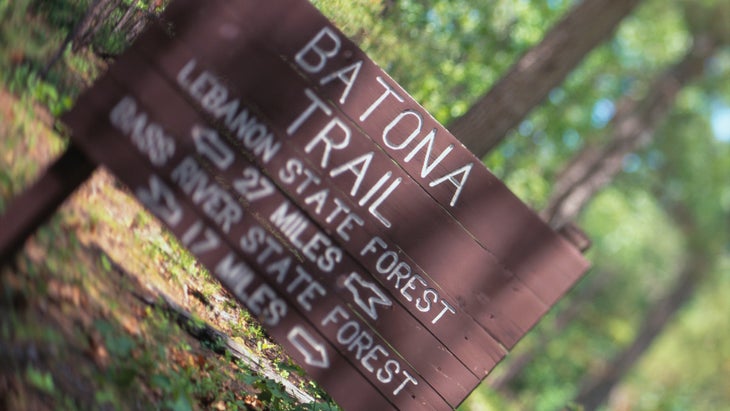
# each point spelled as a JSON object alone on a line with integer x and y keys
{"x": 387, "y": 260}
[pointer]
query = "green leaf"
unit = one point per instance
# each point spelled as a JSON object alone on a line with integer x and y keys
{"x": 41, "y": 380}
{"x": 182, "y": 403}
{"x": 106, "y": 263}
{"x": 162, "y": 382}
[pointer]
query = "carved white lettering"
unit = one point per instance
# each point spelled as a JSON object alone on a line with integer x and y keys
{"x": 149, "y": 137}
{"x": 215, "y": 201}
{"x": 263, "y": 301}
{"x": 211, "y": 94}
{"x": 272, "y": 256}
{"x": 374, "y": 357}
{"x": 413, "y": 287}
{"x": 160, "y": 199}
{"x": 314, "y": 55}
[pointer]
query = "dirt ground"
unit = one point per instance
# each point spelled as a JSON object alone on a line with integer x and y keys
{"x": 85, "y": 307}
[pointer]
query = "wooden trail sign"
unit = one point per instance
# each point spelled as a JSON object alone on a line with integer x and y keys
{"x": 373, "y": 246}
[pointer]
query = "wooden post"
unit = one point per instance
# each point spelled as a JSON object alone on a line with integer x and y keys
{"x": 37, "y": 203}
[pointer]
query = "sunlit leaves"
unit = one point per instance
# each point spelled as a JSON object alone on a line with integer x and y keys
{"x": 654, "y": 37}
{"x": 627, "y": 247}
{"x": 353, "y": 17}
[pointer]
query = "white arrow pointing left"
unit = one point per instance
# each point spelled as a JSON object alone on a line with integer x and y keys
{"x": 209, "y": 144}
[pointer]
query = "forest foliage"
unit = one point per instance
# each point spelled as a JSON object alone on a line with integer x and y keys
{"x": 667, "y": 208}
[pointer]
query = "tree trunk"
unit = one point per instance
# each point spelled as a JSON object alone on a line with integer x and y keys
{"x": 597, "y": 389}
{"x": 71, "y": 37}
{"x": 632, "y": 127}
{"x": 537, "y": 72}
{"x": 141, "y": 19}
{"x": 94, "y": 18}
{"x": 101, "y": 20}
{"x": 131, "y": 11}
{"x": 595, "y": 167}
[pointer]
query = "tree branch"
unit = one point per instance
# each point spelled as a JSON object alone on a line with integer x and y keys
{"x": 537, "y": 72}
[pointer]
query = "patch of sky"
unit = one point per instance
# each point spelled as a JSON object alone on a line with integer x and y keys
{"x": 526, "y": 128}
{"x": 508, "y": 149}
{"x": 433, "y": 18}
{"x": 571, "y": 139}
{"x": 718, "y": 65}
{"x": 557, "y": 95}
{"x": 602, "y": 113}
{"x": 539, "y": 137}
{"x": 627, "y": 56}
{"x": 554, "y": 4}
{"x": 655, "y": 159}
{"x": 631, "y": 163}
{"x": 720, "y": 120}
{"x": 627, "y": 83}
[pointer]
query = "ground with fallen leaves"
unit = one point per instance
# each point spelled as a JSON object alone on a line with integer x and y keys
{"x": 80, "y": 326}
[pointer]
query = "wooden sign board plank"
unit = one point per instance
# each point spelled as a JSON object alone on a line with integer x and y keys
{"x": 508, "y": 228}
{"x": 39, "y": 201}
{"x": 359, "y": 239}
{"x": 383, "y": 254}
{"x": 105, "y": 145}
{"x": 270, "y": 83}
{"x": 280, "y": 163}
{"x": 301, "y": 318}
{"x": 336, "y": 270}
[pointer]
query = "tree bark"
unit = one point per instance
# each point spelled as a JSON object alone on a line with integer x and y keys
{"x": 540, "y": 70}
{"x": 141, "y": 19}
{"x": 95, "y": 17}
{"x": 131, "y": 11}
{"x": 101, "y": 20}
{"x": 593, "y": 168}
{"x": 71, "y": 37}
{"x": 632, "y": 127}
